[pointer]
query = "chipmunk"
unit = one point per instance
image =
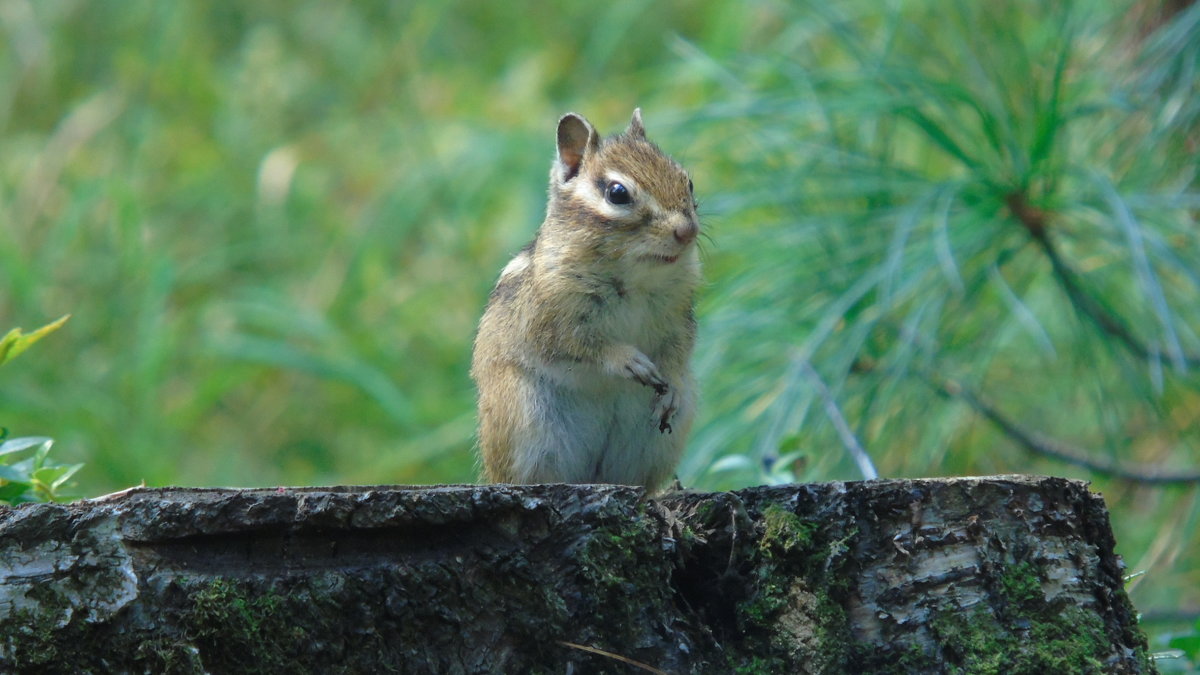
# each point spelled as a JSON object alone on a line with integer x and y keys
{"x": 581, "y": 360}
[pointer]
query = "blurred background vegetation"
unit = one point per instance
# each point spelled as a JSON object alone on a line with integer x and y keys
{"x": 961, "y": 237}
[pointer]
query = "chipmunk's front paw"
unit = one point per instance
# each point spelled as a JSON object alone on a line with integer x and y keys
{"x": 666, "y": 404}
{"x": 635, "y": 365}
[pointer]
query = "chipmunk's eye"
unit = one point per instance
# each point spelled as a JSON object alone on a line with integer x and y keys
{"x": 691, "y": 188}
{"x": 616, "y": 193}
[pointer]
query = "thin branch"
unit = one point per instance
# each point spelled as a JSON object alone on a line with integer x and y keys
{"x": 849, "y": 441}
{"x": 1053, "y": 448}
{"x": 1170, "y": 615}
{"x": 617, "y": 657}
{"x": 1034, "y": 222}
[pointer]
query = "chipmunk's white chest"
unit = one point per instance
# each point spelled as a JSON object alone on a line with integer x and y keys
{"x": 652, "y": 307}
{"x": 637, "y": 319}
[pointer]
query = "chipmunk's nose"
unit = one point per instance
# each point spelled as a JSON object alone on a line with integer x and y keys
{"x": 686, "y": 231}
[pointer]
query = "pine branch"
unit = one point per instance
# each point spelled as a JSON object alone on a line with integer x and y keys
{"x": 1049, "y": 447}
{"x": 1034, "y": 222}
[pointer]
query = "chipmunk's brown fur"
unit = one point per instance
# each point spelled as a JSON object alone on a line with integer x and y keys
{"x": 582, "y": 354}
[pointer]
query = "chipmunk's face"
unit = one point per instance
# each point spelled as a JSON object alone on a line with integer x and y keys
{"x": 636, "y": 204}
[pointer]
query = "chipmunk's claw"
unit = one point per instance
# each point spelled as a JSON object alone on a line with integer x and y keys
{"x": 665, "y": 408}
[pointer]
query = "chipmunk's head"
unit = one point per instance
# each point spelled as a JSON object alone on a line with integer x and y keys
{"x": 622, "y": 197}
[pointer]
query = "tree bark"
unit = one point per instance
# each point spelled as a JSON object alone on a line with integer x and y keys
{"x": 1007, "y": 574}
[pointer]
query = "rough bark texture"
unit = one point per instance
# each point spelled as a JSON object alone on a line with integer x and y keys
{"x": 1004, "y": 574}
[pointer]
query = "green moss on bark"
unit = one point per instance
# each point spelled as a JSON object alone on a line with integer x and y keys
{"x": 793, "y": 619}
{"x": 784, "y": 533}
{"x": 624, "y": 578}
{"x": 255, "y": 630}
{"x": 1028, "y": 635}
{"x": 1067, "y": 642}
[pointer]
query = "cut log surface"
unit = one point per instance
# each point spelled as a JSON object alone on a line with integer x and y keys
{"x": 1005, "y": 574}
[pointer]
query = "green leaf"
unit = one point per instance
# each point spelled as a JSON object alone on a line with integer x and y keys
{"x": 9, "y": 492}
{"x": 19, "y": 444}
{"x": 14, "y": 342}
{"x": 14, "y": 475}
{"x": 39, "y": 455}
{"x": 24, "y": 469}
{"x": 732, "y": 463}
{"x": 1188, "y": 643}
{"x": 66, "y": 475}
{"x": 50, "y": 474}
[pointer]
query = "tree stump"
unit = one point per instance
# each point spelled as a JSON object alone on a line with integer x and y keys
{"x": 1008, "y": 574}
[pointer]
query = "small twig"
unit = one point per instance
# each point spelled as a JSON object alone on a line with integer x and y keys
{"x": 618, "y": 657}
{"x": 1049, "y": 447}
{"x": 1170, "y": 615}
{"x": 733, "y": 537}
{"x": 119, "y": 493}
{"x": 849, "y": 440}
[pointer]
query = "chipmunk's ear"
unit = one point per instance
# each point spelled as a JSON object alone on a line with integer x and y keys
{"x": 576, "y": 140}
{"x": 636, "y": 130}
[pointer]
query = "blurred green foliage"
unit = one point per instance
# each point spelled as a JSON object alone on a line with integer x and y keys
{"x": 1188, "y": 644}
{"x": 276, "y": 225}
{"x": 26, "y": 472}
{"x": 28, "y": 475}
